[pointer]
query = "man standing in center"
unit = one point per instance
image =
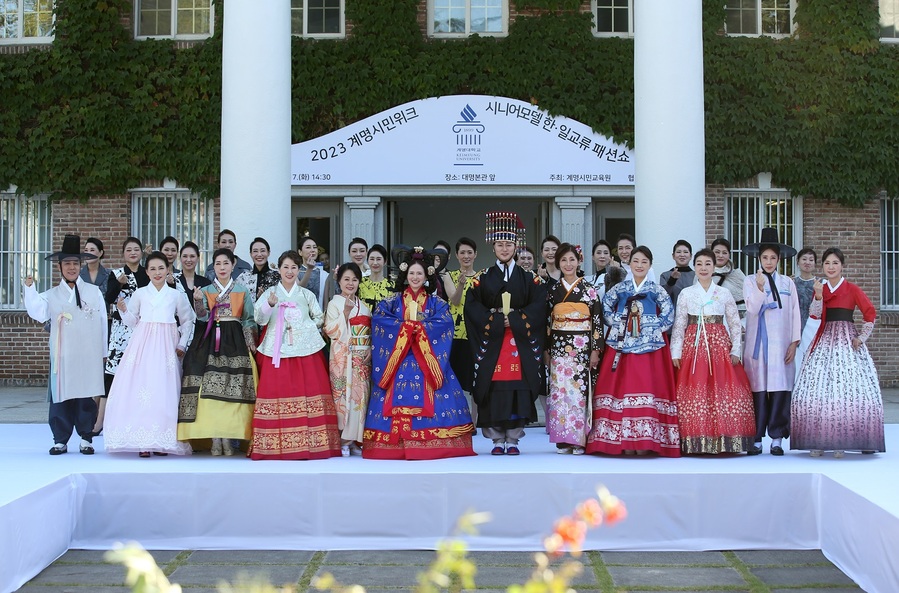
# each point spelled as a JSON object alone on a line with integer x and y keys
{"x": 506, "y": 336}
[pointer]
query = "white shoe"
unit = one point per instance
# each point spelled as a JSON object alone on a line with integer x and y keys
{"x": 577, "y": 450}
{"x": 837, "y": 454}
{"x": 227, "y": 449}
{"x": 344, "y": 450}
{"x": 816, "y": 452}
{"x": 216, "y": 447}
{"x": 564, "y": 450}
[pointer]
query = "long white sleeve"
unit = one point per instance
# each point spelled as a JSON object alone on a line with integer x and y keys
{"x": 36, "y": 304}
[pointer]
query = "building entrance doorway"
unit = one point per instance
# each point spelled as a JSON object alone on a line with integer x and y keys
{"x": 612, "y": 219}
{"x": 424, "y": 221}
{"x": 317, "y": 219}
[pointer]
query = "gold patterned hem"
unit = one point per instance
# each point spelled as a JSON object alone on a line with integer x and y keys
{"x": 715, "y": 445}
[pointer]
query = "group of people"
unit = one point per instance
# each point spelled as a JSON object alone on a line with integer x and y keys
{"x": 296, "y": 362}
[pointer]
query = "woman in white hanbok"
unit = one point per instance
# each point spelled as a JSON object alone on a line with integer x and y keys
{"x": 142, "y": 413}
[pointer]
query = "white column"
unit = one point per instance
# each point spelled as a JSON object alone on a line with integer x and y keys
{"x": 575, "y": 226}
{"x": 256, "y": 87}
{"x": 359, "y": 219}
{"x": 669, "y": 123}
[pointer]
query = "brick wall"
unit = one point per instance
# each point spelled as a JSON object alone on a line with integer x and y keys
{"x": 857, "y": 232}
{"x": 23, "y": 343}
{"x": 714, "y": 213}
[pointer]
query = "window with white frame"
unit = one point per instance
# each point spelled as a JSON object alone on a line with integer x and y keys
{"x": 889, "y": 253}
{"x": 317, "y": 18}
{"x": 613, "y": 18}
{"x": 181, "y": 19}
{"x": 459, "y": 18}
{"x": 772, "y": 18}
{"x": 26, "y": 20}
{"x": 889, "y": 20}
{"x": 25, "y": 240}
{"x": 749, "y": 211}
{"x": 157, "y": 214}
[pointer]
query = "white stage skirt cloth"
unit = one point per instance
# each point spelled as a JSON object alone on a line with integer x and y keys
{"x": 846, "y": 507}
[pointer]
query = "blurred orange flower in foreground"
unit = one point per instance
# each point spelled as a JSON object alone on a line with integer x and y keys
{"x": 570, "y": 532}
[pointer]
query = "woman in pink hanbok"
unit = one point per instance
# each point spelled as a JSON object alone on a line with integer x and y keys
{"x": 142, "y": 413}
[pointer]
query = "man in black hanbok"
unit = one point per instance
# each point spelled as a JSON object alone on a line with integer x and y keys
{"x": 506, "y": 338}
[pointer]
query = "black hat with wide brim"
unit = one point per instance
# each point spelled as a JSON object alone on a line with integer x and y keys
{"x": 71, "y": 249}
{"x": 769, "y": 239}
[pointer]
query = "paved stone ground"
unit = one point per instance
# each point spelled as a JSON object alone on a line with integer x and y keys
{"x": 82, "y": 571}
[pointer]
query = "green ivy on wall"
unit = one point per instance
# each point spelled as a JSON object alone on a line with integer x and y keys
{"x": 97, "y": 112}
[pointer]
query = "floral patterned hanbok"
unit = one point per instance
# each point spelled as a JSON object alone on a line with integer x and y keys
{"x": 575, "y": 330}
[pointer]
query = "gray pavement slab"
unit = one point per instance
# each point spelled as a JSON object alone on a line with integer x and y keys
{"x": 503, "y": 576}
{"x": 209, "y": 575}
{"x": 781, "y": 557}
{"x": 383, "y": 557}
{"x": 80, "y": 574}
{"x": 86, "y": 588}
{"x": 670, "y": 558}
{"x": 640, "y": 576}
{"x": 249, "y": 557}
{"x": 802, "y": 575}
{"x": 162, "y": 557}
{"x": 373, "y": 575}
{"x": 504, "y": 558}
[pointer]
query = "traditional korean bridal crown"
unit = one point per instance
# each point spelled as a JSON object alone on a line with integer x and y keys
{"x": 505, "y": 226}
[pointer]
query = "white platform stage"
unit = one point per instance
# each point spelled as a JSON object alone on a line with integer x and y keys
{"x": 847, "y": 507}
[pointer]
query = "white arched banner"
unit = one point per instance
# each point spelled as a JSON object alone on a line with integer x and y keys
{"x": 462, "y": 140}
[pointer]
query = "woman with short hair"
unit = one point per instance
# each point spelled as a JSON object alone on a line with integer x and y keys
{"x": 634, "y": 404}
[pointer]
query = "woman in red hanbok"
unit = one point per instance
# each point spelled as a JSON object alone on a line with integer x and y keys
{"x": 837, "y": 405}
{"x": 714, "y": 401}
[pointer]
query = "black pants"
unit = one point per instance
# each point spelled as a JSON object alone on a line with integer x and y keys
{"x": 74, "y": 414}
{"x": 772, "y": 413}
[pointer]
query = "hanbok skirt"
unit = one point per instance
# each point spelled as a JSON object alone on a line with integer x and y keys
{"x": 635, "y": 406}
{"x": 142, "y": 412}
{"x": 837, "y": 403}
{"x": 350, "y": 373}
{"x": 219, "y": 388}
{"x": 714, "y": 402}
{"x": 295, "y": 416}
{"x": 400, "y": 436}
{"x": 569, "y": 413}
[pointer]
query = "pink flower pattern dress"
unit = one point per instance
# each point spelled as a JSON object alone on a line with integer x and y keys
{"x": 575, "y": 330}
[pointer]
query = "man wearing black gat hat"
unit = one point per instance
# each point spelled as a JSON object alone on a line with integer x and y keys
{"x": 772, "y": 335}
{"x": 78, "y": 332}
